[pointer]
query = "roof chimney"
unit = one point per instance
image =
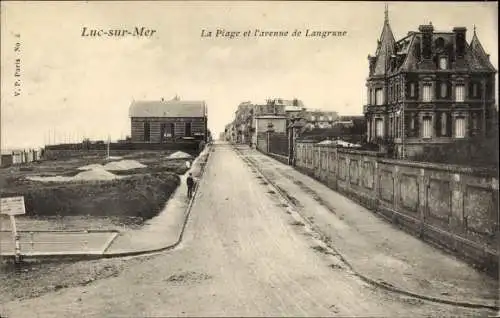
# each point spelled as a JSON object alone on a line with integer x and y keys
{"x": 162, "y": 99}
{"x": 460, "y": 40}
{"x": 427, "y": 31}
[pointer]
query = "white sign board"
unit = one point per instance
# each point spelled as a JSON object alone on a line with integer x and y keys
{"x": 12, "y": 206}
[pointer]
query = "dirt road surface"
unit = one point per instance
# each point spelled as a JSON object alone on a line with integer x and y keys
{"x": 242, "y": 255}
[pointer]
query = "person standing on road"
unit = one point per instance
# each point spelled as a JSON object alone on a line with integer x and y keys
{"x": 190, "y": 185}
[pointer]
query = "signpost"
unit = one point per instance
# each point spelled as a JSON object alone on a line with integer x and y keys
{"x": 13, "y": 206}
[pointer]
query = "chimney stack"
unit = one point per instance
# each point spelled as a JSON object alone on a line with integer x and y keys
{"x": 427, "y": 31}
{"x": 460, "y": 33}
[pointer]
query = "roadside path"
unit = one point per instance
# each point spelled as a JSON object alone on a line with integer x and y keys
{"x": 374, "y": 247}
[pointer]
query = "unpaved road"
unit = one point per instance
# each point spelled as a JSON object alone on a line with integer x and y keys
{"x": 242, "y": 255}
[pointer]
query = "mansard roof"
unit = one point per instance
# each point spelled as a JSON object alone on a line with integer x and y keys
{"x": 407, "y": 52}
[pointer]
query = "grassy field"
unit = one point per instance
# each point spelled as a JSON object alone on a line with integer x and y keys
{"x": 139, "y": 195}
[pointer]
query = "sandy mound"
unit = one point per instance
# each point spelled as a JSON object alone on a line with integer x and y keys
{"x": 91, "y": 166}
{"x": 124, "y": 165}
{"x": 179, "y": 155}
{"x": 95, "y": 174}
{"x": 89, "y": 175}
{"x": 50, "y": 179}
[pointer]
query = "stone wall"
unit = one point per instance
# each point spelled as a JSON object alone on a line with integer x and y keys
{"x": 278, "y": 144}
{"x": 452, "y": 206}
{"x": 63, "y": 151}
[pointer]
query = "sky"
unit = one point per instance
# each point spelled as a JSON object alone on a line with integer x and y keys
{"x": 74, "y": 86}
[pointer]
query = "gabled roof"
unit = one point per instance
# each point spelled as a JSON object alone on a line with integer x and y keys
{"x": 385, "y": 48}
{"x": 171, "y": 108}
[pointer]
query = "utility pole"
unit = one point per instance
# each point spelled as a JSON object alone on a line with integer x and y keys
{"x": 109, "y": 141}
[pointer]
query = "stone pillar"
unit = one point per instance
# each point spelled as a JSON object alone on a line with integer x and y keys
{"x": 457, "y": 207}
{"x": 423, "y": 186}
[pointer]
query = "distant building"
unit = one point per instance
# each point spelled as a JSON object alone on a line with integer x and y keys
{"x": 428, "y": 88}
{"x": 318, "y": 118}
{"x": 168, "y": 121}
{"x": 244, "y": 123}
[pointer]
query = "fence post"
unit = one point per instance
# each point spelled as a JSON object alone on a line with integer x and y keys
{"x": 32, "y": 241}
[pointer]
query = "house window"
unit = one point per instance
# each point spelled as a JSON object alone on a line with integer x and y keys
{"x": 443, "y": 124}
{"x": 460, "y": 127}
{"x": 391, "y": 125}
{"x": 427, "y": 127}
{"x": 147, "y": 131}
{"x": 163, "y": 132}
{"x": 444, "y": 90}
{"x": 427, "y": 92}
{"x": 412, "y": 90}
{"x": 313, "y": 118}
{"x": 321, "y": 118}
{"x": 379, "y": 96}
{"x": 460, "y": 93}
{"x": 172, "y": 130}
{"x": 187, "y": 130}
{"x": 474, "y": 90}
{"x": 379, "y": 127}
{"x": 443, "y": 63}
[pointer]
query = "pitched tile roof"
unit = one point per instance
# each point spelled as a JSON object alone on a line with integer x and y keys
{"x": 171, "y": 108}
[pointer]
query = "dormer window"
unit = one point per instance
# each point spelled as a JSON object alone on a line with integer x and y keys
{"x": 443, "y": 63}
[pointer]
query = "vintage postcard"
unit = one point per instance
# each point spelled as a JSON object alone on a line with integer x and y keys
{"x": 249, "y": 158}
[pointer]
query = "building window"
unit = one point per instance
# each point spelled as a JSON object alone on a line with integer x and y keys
{"x": 443, "y": 63}
{"x": 427, "y": 92}
{"x": 474, "y": 90}
{"x": 379, "y": 128}
{"x": 444, "y": 90}
{"x": 147, "y": 131}
{"x": 187, "y": 131}
{"x": 379, "y": 96}
{"x": 321, "y": 118}
{"x": 443, "y": 124}
{"x": 391, "y": 125}
{"x": 313, "y": 118}
{"x": 369, "y": 96}
{"x": 412, "y": 90}
{"x": 460, "y": 93}
{"x": 172, "y": 130}
{"x": 459, "y": 127}
{"x": 427, "y": 127}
